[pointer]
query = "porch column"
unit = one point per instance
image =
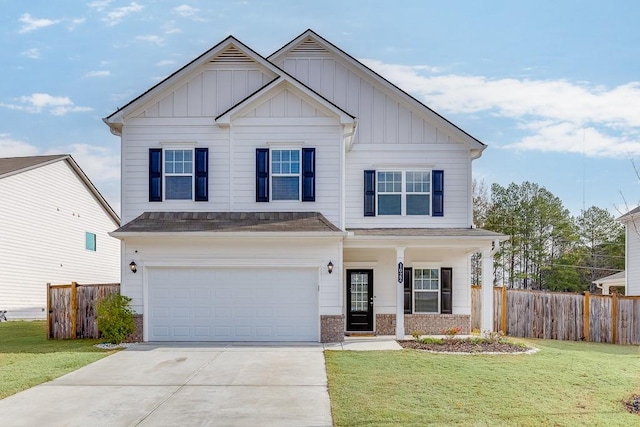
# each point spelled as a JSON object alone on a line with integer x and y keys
{"x": 486, "y": 318}
{"x": 400, "y": 294}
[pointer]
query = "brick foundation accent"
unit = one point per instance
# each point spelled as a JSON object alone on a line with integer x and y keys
{"x": 136, "y": 336}
{"x": 429, "y": 324}
{"x": 331, "y": 328}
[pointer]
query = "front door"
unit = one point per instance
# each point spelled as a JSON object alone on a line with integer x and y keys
{"x": 360, "y": 300}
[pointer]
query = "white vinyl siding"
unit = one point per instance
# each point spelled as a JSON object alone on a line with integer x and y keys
{"x": 633, "y": 258}
{"x": 45, "y": 214}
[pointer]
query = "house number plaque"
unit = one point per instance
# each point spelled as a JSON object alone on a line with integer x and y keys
{"x": 400, "y": 272}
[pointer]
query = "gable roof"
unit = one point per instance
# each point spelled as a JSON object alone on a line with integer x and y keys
{"x": 626, "y": 217}
{"x": 14, "y": 165}
{"x": 238, "y": 50}
{"x": 228, "y": 222}
{"x": 309, "y": 35}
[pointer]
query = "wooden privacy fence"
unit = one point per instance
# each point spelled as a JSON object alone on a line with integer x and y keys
{"x": 71, "y": 309}
{"x": 561, "y": 316}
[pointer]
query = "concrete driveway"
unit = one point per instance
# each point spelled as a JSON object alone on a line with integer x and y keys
{"x": 184, "y": 385}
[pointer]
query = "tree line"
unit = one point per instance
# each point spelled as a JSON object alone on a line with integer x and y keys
{"x": 548, "y": 249}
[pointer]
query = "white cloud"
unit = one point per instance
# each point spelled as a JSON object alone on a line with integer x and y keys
{"x": 75, "y": 22}
{"x": 170, "y": 28}
{"x": 165, "y": 63}
{"x": 118, "y": 14}
{"x": 39, "y": 102}
{"x": 10, "y": 147}
{"x": 32, "y": 24}
{"x": 31, "y": 53}
{"x": 151, "y": 39}
{"x": 99, "y": 5}
{"x": 99, "y": 163}
{"x": 185, "y": 10}
{"x": 555, "y": 114}
{"x": 98, "y": 73}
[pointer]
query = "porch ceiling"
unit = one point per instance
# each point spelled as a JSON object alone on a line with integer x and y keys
{"x": 469, "y": 239}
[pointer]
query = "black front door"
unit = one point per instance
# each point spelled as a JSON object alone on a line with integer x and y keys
{"x": 360, "y": 300}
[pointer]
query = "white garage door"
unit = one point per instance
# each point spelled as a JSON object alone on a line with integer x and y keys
{"x": 218, "y": 304}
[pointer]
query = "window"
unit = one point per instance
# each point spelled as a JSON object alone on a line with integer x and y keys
{"x": 426, "y": 290}
{"x": 285, "y": 174}
{"x": 404, "y": 193}
{"x": 178, "y": 174}
{"x": 90, "y": 241}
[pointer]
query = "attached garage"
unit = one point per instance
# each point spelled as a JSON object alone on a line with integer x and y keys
{"x": 231, "y": 304}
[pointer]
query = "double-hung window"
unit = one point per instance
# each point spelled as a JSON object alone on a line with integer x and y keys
{"x": 426, "y": 290}
{"x": 404, "y": 192}
{"x": 178, "y": 174}
{"x": 285, "y": 174}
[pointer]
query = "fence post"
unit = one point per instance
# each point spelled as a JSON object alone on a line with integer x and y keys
{"x": 74, "y": 310}
{"x": 503, "y": 314}
{"x": 614, "y": 319}
{"x": 48, "y": 311}
{"x": 585, "y": 317}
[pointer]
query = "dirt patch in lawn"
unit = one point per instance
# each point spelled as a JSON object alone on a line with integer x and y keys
{"x": 633, "y": 404}
{"x": 463, "y": 346}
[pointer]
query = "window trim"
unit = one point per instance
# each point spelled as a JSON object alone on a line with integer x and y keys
{"x": 272, "y": 174}
{"x": 417, "y": 267}
{"x": 165, "y": 174}
{"x": 403, "y": 191}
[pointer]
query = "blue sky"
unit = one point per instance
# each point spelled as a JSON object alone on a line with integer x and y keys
{"x": 553, "y": 87}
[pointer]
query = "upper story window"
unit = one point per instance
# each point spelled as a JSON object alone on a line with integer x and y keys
{"x": 178, "y": 174}
{"x": 285, "y": 174}
{"x": 90, "y": 241}
{"x": 404, "y": 192}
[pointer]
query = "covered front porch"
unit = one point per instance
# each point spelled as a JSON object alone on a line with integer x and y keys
{"x": 401, "y": 281}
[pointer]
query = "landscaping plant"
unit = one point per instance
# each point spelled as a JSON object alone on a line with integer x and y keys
{"x": 115, "y": 318}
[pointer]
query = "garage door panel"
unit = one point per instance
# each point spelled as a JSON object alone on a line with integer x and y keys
{"x": 205, "y": 304}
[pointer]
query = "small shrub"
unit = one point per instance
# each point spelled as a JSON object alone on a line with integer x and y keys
{"x": 417, "y": 334}
{"x": 431, "y": 340}
{"x": 451, "y": 333}
{"x": 493, "y": 337}
{"x": 115, "y": 318}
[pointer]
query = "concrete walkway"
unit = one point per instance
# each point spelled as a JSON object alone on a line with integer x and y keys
{"x": 184, "y": 385}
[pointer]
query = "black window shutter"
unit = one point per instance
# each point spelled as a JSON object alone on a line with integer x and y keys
{"x": 262, "y": 174}
{"x": 369, "y": 193}
{"x": 408, "y": 290}
{"x": 308, "y": 174}
{"x": 202, "y": 174}
{"x": 438, "y": 193}
{"x": 155, "y": 174}
{"x": 446, "y": 290}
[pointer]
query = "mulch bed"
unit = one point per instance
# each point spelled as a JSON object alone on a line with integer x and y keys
{"x": 466, "y": 346}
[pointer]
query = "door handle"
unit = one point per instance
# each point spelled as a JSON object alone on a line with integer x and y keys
{"x": 371, "y": 301}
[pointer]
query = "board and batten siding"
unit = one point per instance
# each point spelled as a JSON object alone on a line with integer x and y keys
{"x": 633, "y": 257}
{"x": 454, "y": 159}
{"x": 279, "y": 252}
{"x": 382, "y": 117}
{"x": 383, "y": 262}
{"x": 44, "y": 215}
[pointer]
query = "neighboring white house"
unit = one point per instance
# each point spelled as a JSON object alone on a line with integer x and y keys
{"x": 631, "y": 221}
{"x": 294, "y": 198}
{"x": 614, "y": 280}
{"x": 54, "y": 227}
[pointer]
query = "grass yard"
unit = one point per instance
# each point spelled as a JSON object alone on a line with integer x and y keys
{"x": 27, "y": 358}
{"x": 564, "y": 384}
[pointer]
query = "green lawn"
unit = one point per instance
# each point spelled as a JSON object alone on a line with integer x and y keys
{"x": 565, "y": 384}
{"x": 27, "y": 358}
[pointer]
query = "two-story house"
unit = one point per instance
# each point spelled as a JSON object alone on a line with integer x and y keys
{"x": 296, "y": 197}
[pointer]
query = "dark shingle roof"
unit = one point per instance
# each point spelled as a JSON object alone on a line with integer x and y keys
{"x": 14, "y": 164}
{"x": 425, "y": 232}
{"x": 172, "y": 222}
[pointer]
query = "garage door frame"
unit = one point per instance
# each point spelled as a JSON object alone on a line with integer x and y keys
{"x": 270, "y": 264}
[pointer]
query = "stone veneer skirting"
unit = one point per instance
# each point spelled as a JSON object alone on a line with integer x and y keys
{"x": 136, "y": 336}
{"x": 331, "y": 328}
{"x": 429, "y": 324}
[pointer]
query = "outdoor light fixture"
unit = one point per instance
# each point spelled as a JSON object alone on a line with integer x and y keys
{"x": 330, "y": 267}
{"x": 133, "y": 266}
